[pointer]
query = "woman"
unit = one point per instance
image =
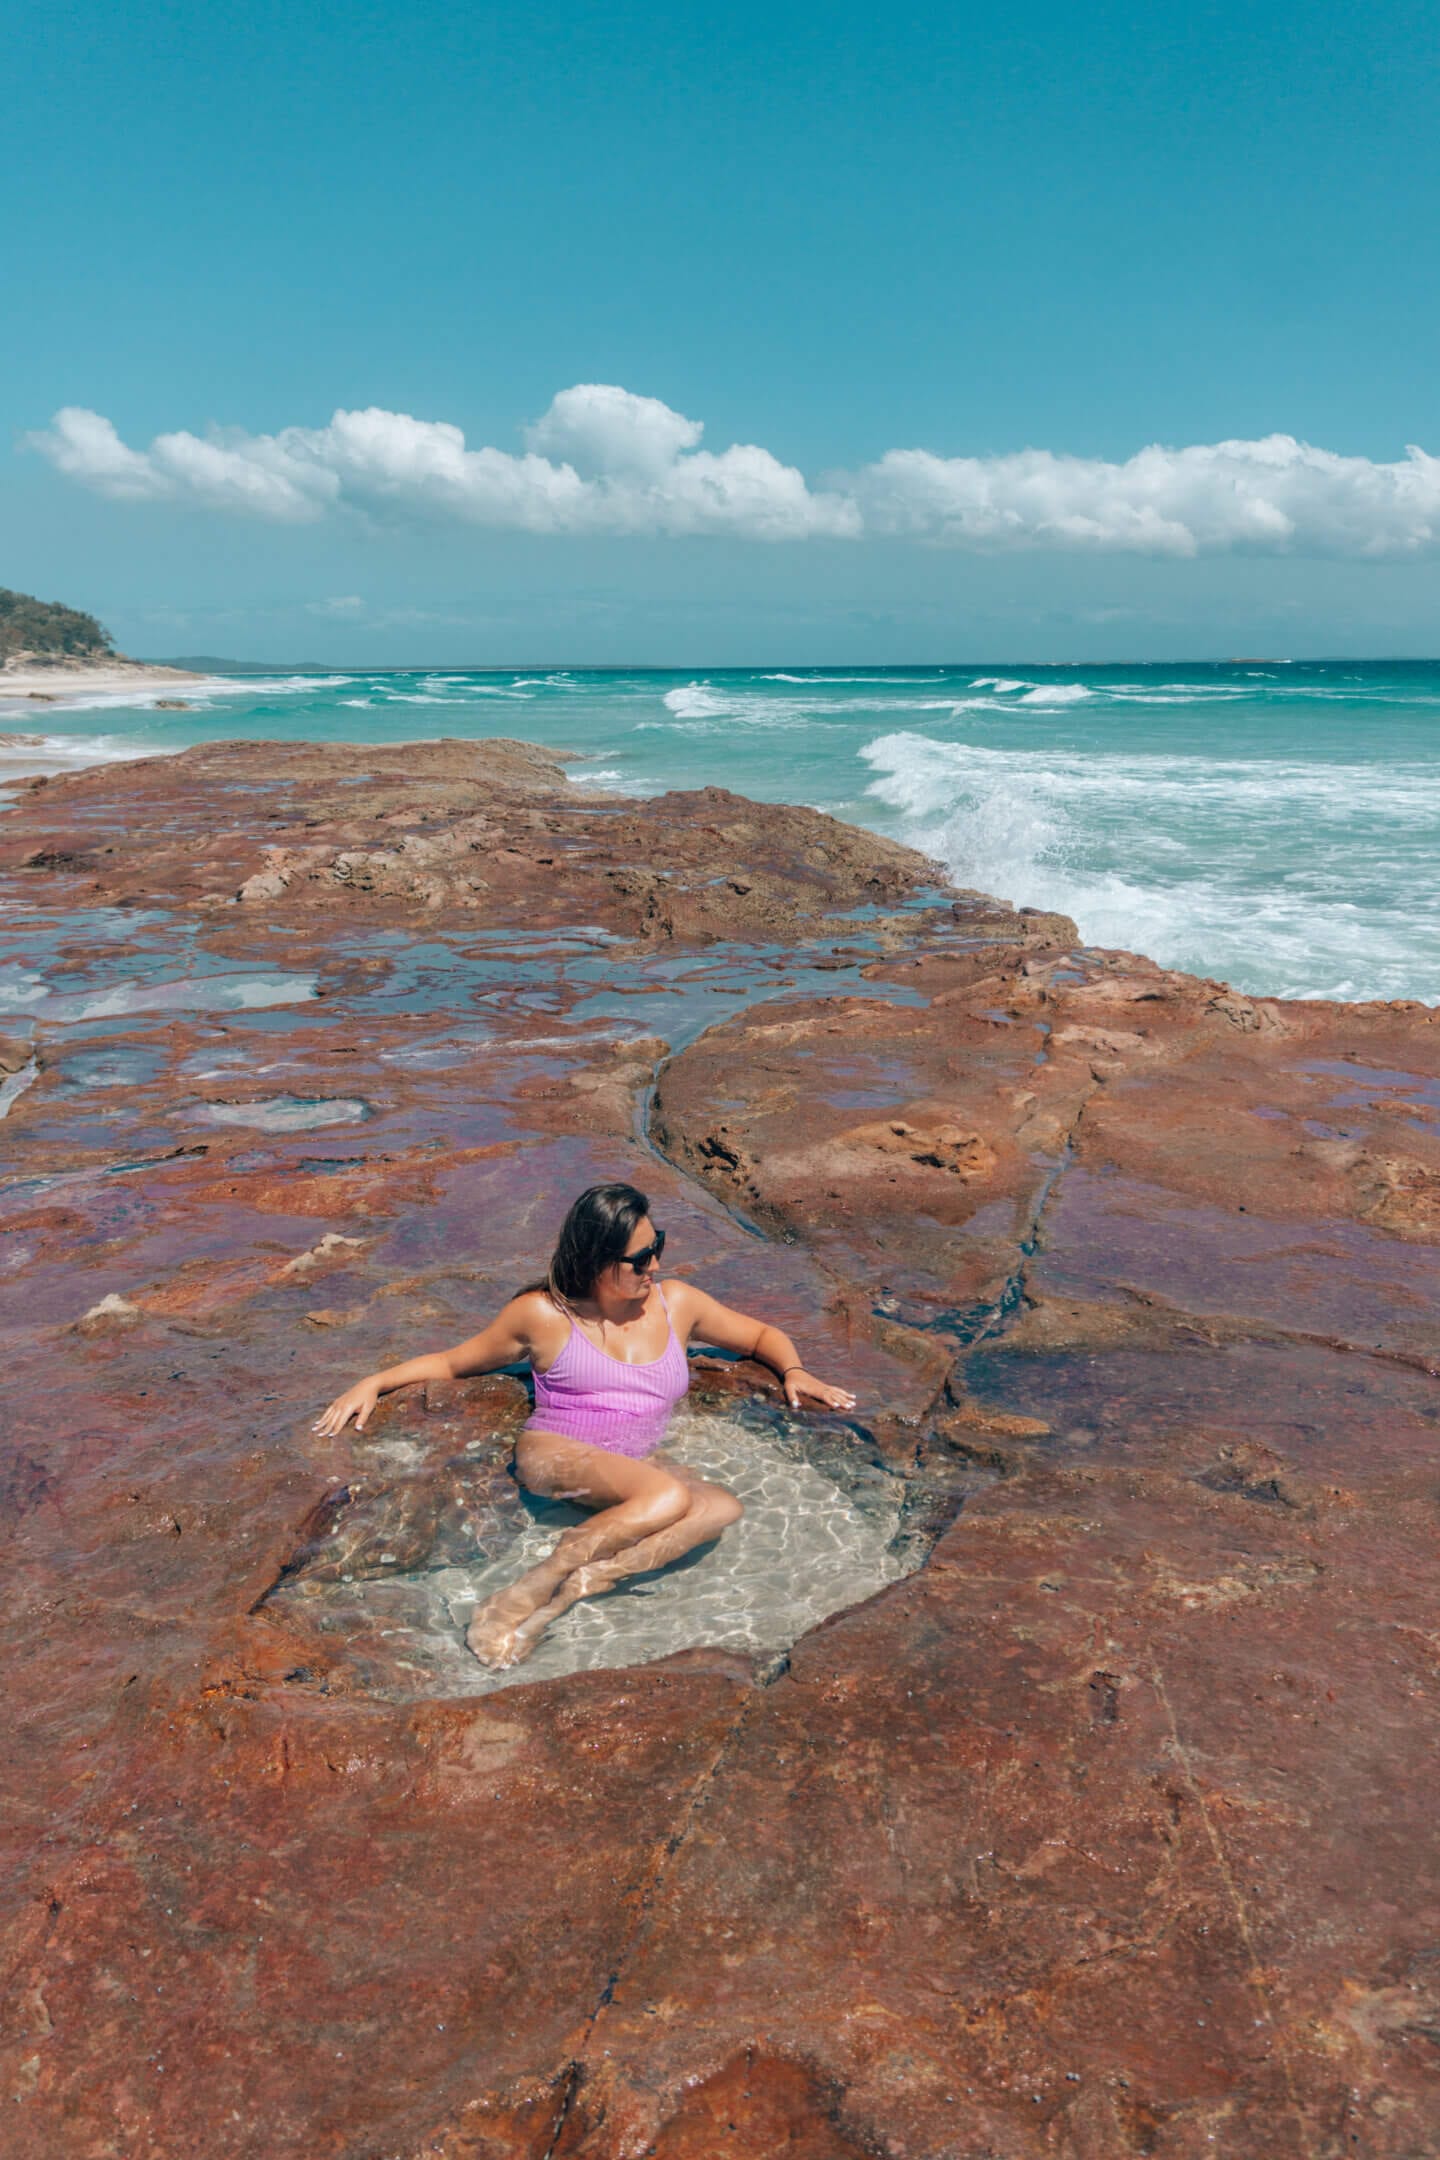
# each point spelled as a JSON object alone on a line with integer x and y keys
{"x": 605, "y": 1341}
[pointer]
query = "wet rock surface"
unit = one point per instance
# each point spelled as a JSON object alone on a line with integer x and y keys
{"x": 1097, "y": 1817}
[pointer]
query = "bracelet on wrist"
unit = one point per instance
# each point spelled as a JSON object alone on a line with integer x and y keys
{"x": 789, "y": 1369}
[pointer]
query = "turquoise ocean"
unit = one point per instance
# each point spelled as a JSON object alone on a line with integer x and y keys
{"x": 1276, "y": 825}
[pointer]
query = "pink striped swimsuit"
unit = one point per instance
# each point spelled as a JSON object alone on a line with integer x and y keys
{"x": 591, "y": 1397}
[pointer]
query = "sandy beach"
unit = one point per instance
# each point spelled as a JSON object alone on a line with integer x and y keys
{"x": 30, "y": 689}
{"x": 63, "y": 682}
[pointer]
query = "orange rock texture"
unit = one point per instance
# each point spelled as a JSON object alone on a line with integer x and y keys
{"x": 1106, "y": 1831}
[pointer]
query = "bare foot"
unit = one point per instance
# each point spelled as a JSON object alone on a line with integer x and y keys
{"x": 496, "y": 1633}
{"x": 494, "y": 1641}
{"x": 500, "y": 1637}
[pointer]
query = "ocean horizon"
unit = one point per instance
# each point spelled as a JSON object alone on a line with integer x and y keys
{"x": 1270, "y": 822}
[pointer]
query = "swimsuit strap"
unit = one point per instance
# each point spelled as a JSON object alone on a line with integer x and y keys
{"x": 577, "y": 1335}
{"x": 674, "y": 1338}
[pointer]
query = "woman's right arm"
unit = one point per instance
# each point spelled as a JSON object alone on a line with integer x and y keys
{"x": 508, "y": 1338}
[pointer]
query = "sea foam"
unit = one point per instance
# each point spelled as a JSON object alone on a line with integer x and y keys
{"x": 695, "y": 701}
{"x": 1240, "y": 869}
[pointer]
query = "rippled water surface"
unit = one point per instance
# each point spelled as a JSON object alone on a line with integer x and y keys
{"x": 810, "y": 1544}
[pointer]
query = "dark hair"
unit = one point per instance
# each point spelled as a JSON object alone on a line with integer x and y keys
{"x": 592, "y": 1237}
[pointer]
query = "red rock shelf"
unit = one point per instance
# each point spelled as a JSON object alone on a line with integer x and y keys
{"x": 1107, "y": 1831}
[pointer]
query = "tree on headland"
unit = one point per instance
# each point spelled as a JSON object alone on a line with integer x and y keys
{"x": 47, "y": 631}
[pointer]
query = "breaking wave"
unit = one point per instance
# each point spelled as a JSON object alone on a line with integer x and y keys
{"x": 699, "y": 705}
{"x": 822, "y": 678}
{"x": 1239, "y": 869}
{"x": 1062, "y": 693}
{"x": 24, "y": 753}
{"x": 695, "y": 701}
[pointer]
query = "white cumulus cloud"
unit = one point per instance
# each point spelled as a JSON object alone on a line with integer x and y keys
{"x": 603, "y": 460}
{"x": 1274, "y": 495}
{"x": 228, "y": 470}
{"x": 600, "y": 460}
{"x": 601, "y": 429}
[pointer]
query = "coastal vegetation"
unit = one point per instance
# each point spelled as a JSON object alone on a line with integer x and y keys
{"x": 47, "y": 630}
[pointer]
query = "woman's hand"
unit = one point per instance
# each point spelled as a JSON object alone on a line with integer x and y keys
{"x": 802, "y": 1387}
{"x": 356, "y": 1402}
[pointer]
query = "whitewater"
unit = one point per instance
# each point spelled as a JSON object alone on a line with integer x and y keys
{"x": 1274, "y": 825}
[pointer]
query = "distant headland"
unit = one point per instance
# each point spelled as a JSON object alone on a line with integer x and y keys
{"x": 46, "y": 630}
{"x": 50, "y": 652}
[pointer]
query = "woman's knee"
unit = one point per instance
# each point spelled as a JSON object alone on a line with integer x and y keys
{"x": 660, "y": 1505}
{"x": 717, "y": 1507}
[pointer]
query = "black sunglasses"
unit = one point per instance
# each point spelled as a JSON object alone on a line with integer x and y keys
{"x": 642, "y": 1259}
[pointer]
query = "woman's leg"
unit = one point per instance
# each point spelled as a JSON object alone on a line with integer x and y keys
{"x": 648, "y": 1513}
{"x": 712, "y": 1508}
{"x": 633, "y": 1500}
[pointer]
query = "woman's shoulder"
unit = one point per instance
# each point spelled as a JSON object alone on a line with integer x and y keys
{"x": 535, "y": 1315}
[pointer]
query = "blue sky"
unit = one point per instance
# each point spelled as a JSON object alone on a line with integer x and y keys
{"x": 835, "y": 234}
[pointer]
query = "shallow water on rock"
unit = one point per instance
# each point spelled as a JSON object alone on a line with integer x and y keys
{"x": 806, "y": 1547}
{"x": 657, "y": 992}
{"x": 803, "y": 1550}
{"x": 285, "y": 1113}
{"x": 120, "y": 1066}
{"x": 13, "y": 1085}
{"x": 233, "y": 992}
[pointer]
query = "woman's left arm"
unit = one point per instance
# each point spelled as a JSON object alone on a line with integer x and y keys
{"x": 720, "y": 1324}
